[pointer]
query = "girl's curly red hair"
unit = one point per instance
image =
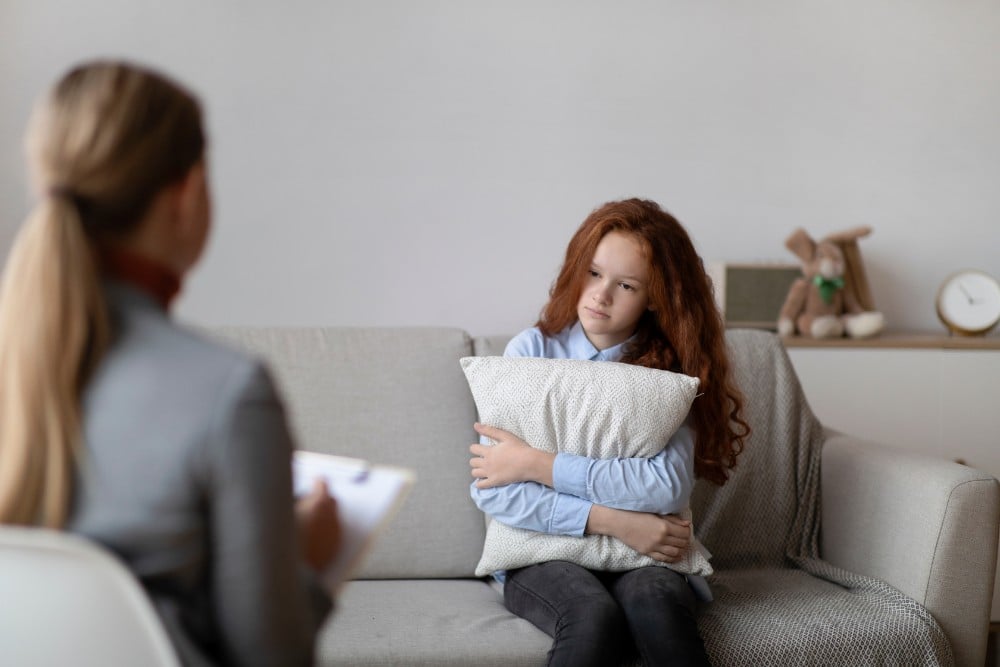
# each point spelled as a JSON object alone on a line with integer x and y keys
{"x": 682, "y": 332}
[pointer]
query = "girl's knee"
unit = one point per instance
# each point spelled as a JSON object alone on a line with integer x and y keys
{"x": 597, "y": 616}
{"x": 656, "y": 586}
{"x": 592, "y": 630}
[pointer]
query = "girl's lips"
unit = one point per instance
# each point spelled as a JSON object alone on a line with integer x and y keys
{"x": 596, "y": 313}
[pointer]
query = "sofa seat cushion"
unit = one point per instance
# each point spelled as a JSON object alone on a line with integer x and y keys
{"x": 442, "y": 622}
{"x": 787, "y": 616}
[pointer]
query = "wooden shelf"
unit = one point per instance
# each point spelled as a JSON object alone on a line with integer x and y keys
{"x": 901, "y": 340}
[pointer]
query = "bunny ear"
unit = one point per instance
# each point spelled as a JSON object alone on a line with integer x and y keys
{"x": 851, "y": 234}
{"x": 801, "y": 244}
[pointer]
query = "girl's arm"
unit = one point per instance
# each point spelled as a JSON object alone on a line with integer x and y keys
{"x": 661, "y": 484}
{"x": 663, "y": 538}
{"x": 534, "y": 507}
{"x": 531, "y": 506}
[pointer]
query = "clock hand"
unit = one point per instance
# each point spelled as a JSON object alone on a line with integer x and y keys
{"x": 968, "y": 296}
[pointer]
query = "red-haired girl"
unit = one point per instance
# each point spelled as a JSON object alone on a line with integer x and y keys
{"x": 632, "y": 289}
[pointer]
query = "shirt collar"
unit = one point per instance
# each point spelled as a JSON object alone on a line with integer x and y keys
{"x": 580, "y": 346}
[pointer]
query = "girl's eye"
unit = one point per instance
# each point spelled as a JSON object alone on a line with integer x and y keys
{"x": 593, "y": 274}
{"x": 626, "y": 286}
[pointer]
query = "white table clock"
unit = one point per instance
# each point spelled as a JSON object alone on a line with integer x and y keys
{"x": 968, "y": 302}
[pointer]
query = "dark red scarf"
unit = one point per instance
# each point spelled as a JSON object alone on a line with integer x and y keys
{"x": 148, "y": 275}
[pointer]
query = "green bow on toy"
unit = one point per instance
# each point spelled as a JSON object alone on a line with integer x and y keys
{"x": 828, "y": 287}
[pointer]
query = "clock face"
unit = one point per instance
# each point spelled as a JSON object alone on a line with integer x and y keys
{"x": 969, "y": 302}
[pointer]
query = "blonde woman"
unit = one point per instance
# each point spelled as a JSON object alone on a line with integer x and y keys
{"x": 117, "y": 424}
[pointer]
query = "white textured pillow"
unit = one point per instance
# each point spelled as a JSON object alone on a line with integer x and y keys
{"x": 599, "y": 409}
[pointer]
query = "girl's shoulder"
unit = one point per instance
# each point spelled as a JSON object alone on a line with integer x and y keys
{"x": 528, "y": 343}
{"x": 566, "y": 344}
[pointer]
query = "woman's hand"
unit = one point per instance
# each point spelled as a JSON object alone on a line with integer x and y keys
{"x": 665, "y": 538}
{"x": 509, "y": 460}
{"x": 319, "y": 526}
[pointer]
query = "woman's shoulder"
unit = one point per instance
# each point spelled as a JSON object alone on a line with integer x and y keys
{"x": 146, "y": 334}
{"x": 220, "y": 355}
{"x": 203, "y": 360}
{"x": 235, "y": 374}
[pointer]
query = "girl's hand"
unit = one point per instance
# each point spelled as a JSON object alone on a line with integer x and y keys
{"x": 319, "y": 526}
{"x": 510, "y": 460}
{"x": 664, "y": 538}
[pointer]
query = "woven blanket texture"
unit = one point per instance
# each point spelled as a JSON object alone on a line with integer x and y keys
{"x": 776, "y": 602}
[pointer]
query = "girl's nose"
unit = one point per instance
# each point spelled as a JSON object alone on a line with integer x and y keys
{"x": 601, "y": 294}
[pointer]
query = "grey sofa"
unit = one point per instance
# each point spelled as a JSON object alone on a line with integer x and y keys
{"x": 809, "y": 518}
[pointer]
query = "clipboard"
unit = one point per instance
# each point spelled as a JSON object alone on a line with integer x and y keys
{"x": 367, "y": 496}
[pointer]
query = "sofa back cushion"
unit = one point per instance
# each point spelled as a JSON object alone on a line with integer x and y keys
{"x": 490, "y": 346}
{"x": 392, "y": 396}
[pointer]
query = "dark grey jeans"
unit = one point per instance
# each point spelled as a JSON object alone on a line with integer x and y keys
{"x": 601, "y": 618}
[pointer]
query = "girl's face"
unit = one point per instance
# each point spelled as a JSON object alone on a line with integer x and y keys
{"x": 615, "y": 292}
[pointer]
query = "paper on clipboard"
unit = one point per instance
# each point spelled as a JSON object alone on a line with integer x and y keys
{"x": 367, "y": 497}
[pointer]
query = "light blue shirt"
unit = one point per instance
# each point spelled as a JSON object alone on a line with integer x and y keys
{"x": 661, "y": 484}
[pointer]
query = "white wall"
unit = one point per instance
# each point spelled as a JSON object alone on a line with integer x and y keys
{"x": 407, "y": 163}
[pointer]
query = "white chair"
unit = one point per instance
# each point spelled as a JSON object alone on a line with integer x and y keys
{"x": 66, "y": 601}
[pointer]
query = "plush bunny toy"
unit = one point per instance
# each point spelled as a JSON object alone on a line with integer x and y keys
{"x": 824, "y": 303}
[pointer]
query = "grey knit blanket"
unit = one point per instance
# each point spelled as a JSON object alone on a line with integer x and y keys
{"x": 776, "y": 602}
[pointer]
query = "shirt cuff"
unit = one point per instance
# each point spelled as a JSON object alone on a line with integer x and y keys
{"x": 569, "y": 515}
{"x": 569, "y": 474}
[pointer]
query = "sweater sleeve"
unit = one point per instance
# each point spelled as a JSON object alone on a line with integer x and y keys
{"x": 267, "y": 607}
{"x": 661, "y": 484}
{"x": 532, "y": 506}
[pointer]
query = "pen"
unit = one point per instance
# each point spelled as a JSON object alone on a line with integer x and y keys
{"x": 361, "y": 475}
{"x": 355, "y": 473}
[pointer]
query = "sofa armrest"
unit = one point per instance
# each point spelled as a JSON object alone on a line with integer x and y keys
{"x": 926, "y": 526}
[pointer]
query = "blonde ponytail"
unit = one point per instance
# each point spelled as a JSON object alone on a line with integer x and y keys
{"x": 53, "y": 326}
{"x": 108, "y": 138}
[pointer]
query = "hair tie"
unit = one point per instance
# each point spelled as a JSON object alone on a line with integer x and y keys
{"x": 78, "y": 203}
